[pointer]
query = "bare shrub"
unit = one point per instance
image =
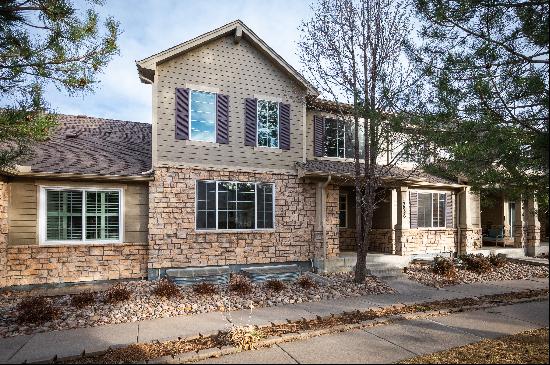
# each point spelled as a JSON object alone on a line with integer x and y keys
{"x": 497, "y": 260}
{"x": 117, "y": 293}
{"x": 167, "y": 289}
{"x": 240, "y": 284}
{"x": 84, "y": 299}
{"x": 306, "y": 282}
{"x": 476, "y": 263}
{"x": 275, "y": 285}
{"x": 205, "y": 288}
{"x": 444, "y": 267}
{"x": 36, "y": 310}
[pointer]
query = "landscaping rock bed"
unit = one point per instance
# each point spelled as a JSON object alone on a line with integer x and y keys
{"x": 423, "y": 273}
{"x": 143, "y": 304}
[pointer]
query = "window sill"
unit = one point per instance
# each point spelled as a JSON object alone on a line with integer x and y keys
{"x": 340, "y": 159}
{"x": 268, "y": 149}
{"x": 266, "y": 230}
{"x": 200, "y": 143}
{"x": 80, "y": 243}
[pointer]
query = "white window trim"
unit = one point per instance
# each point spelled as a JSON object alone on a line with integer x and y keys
{"x": 255, "y": 229}
{"x": 278, "y": 125}
{"x": 346, "y": 195}
{"x": 215, "y": 117}
{"x": 42, "y": 220}
{"x": 432, "y": 192}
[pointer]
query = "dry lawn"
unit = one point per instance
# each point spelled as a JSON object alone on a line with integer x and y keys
{"x": 529, "y": 347}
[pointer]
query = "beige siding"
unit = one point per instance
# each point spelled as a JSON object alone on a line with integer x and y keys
{"x": 23, "y": 211}
{"x": 239, "y": 71}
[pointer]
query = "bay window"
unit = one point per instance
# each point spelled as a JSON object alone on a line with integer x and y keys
{"x": 234, "y": 205}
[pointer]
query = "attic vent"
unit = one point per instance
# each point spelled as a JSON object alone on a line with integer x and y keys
{"x": 70, "y": 135}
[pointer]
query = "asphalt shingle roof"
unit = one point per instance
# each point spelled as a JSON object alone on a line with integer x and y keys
{"x": 87, "y": 145}
{"x": 348, "y": 168}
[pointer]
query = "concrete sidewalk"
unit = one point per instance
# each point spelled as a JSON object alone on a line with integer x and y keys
{"x": 44, "y": 346}
{"x": 396, "y": 342}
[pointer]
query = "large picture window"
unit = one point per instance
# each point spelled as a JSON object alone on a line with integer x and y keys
{"x": 431, "y": 209}
{"x": 340, "y": 139}
{"x": 80, "y": 215}
{"x": 202, "y": 116}
{"x": 268, "y": 124}
{"x": 234, "y": 205}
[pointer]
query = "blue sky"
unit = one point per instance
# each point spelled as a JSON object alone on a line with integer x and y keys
{"x": 152, "y": 26}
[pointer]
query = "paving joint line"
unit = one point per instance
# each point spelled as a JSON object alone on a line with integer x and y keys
{"x": 20, "y": 347}
{"x": 393, "y": 343}
{"x": 288, "y": 353}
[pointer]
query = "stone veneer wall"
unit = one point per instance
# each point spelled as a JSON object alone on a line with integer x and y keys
{"x": 174, "y": 242}
{"x": 380, "y": 240}
{"x": 3, "y": 230}
{"x": 425, "y": 241}
{"x": 333, "y": 221}
{"x": 347, "y": 239}
{"x": 32, "y": 264}
{"x": 470, "y": 240}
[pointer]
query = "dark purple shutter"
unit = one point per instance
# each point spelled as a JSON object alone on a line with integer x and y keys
{"x": 222, "y": 116}
{"x": 318, "y": 135}
{"x": 413, "y": 202}
{"x": 449, "y": 210}
{"x": 182, "y": 113}
{"x": 284, "y": 126}
{"x": 250, "y": 106}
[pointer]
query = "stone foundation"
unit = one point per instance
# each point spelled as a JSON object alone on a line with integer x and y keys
{"x": 174, "y": 242}
{"x": 347, "y": 239}
{"x": 75, "y": 263}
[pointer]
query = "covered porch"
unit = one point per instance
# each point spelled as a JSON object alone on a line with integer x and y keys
{"x": 399, "y": 231}
{"x": 511, "y": 223}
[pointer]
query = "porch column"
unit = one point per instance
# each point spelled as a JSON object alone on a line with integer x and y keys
{"x": 520, "y": 224}
{"x": 402, "y": 218}
{"x": 470, "y": 235}
{"x": 532, "y": 240}
{"x": 326, "y": 235}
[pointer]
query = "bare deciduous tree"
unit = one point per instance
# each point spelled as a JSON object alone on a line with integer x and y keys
{"x": 353, "y": 50}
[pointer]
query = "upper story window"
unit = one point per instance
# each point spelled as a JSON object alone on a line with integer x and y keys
{"x": 340, "y": 139}
{"x": 234, "y": 205}
{"x": 80, "y": 215}
{"x": 268, "y": 123}
{"x": 431, "y": 209}
{"x": 202, "y": 116}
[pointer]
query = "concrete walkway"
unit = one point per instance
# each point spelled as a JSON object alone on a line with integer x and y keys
{"x": 392, "y": 343}
{"x": 44, "y": 346}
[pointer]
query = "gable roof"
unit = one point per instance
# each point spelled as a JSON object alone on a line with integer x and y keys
{"x": 147, "y": 66}
{"x": 83, "y": 145}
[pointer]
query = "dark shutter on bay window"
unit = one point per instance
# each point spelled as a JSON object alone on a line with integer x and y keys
{"x": 222, "y": 118}
{"x": 284, "y": 126}
{"x": 318, "y": 135}
{"x": 413, "y": 202}
{"x": 182, "y": 113}
{"x": 449, "y": 210}
{"x": 250, "y": 110}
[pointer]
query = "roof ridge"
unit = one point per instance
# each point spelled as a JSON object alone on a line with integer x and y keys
{"x": 82, "y": 116}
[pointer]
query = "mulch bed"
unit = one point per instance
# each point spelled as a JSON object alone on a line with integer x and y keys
{"x": 423, "y": 273}
{"x": 529, "y": 347}
{"x": 148, "y": 351}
